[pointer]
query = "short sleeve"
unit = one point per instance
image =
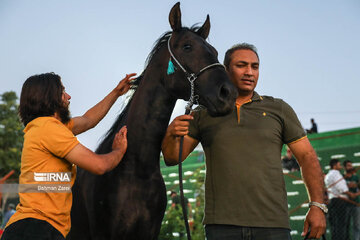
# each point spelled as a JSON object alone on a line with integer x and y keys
{"x": 70, "y": 124}
{"x": 339, "y": 182}
{"x": 58, "y": 138}
{"x": 292, "y": 130}
{"x": 342, "y": 186}
{"x": 194, "y": 131}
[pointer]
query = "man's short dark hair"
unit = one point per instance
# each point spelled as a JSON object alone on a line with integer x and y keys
{"x": 41, "y": 96}
{"x": 333, "y": 162}
{"x": 241, "y": 46}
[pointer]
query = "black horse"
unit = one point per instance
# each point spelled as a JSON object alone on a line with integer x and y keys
{"x": 129, "y": 202}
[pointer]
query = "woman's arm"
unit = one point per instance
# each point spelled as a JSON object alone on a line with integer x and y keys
{"x": 95, "y": 114}
{"x": 99, "y": 163}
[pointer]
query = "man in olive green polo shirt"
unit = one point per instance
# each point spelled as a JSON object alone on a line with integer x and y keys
{"x": 245, "y": 190}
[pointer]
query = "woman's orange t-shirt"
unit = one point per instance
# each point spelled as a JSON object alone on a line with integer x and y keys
{"x": 46, "y": 177}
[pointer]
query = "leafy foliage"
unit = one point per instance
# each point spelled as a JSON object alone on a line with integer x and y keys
{"x": 11, "y": 134}
{"x": 198, "y": 228}
{"x": 173, "y": 221}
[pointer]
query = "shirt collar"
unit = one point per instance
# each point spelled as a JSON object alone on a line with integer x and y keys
{"x": 256, "y": 97}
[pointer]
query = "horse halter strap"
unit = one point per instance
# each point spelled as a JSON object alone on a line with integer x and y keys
{"x": 191, "y": 78}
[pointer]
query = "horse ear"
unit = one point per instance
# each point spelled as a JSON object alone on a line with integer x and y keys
{"x": 205, "y": 28}
{"x": 175, "y": 17}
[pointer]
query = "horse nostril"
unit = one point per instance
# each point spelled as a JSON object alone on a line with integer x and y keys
{"x": 224, "y": 92}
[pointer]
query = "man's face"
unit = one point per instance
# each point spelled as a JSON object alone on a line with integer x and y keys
{"x": 244, "y": 70}
{"x": 64, "y": 111}
{"x": 348, "y": 166}
{"x": 65, "y": 97}
{"x": 338, "y": 166}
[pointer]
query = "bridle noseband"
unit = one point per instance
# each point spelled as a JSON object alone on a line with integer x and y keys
{"x": 191, "y": 77}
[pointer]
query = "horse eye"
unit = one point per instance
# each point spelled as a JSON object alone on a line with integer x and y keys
{"x": 187, "y": 47}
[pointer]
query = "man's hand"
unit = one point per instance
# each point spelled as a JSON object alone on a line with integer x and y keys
{"x": 170, "y": 145}
{"x": 352, "y": 185}
{"x": 316, "y": 222}
{"x": 179, "y": 126}
{"x": 124, "y": 84}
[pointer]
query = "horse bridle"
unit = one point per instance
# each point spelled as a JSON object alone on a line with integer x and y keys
{"x": 191, "y": 77}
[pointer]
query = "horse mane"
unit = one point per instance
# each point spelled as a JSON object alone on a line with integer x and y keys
{"x": 106, "y": 143}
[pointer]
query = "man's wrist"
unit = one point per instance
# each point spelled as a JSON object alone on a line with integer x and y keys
{"x": 322, "y": 206}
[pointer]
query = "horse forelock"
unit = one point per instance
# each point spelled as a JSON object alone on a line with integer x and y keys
{"x": 163, "y": 39}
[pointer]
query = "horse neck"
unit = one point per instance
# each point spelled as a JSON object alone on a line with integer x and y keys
{"x": 148, "y": 118}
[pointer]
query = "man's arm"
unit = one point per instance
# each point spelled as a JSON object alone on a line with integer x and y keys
{"x": 314, "y": 181}
{"x": 352, "y": 195}
{"x": 171, "y": 142}
{"x": 99, "y": 163}
{"x": 94, "y": 115}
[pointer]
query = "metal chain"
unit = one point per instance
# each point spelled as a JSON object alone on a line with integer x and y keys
{"x": 192, "y": 77}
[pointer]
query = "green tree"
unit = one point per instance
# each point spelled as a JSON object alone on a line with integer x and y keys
{"x": 11, "y": 134}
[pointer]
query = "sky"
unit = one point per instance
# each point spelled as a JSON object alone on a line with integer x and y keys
{"x": 309, "y": 50}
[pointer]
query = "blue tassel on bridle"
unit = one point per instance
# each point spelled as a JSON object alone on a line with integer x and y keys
{"x": 171, "y": 68}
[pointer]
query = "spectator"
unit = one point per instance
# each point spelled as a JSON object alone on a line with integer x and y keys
{"x": 176, "y": 201}
{"x": 313, "y": 128}
{"x": 200, "y": 156}
{"x": 339, "y": 208}
{"x": 8, "y": 214}
{"x": 352, "y": 181}
{"x": 289, "y": 161}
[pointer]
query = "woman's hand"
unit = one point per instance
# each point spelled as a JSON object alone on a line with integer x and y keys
{"x": 120, "y": 140}
{"x": 124, "y": 84}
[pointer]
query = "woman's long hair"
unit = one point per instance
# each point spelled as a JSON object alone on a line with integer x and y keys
{"x": 41, "y": 96}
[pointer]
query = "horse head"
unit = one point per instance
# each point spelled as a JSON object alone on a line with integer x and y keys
{"x": 192, "y": 59}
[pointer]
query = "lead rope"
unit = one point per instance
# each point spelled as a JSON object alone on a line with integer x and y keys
{"x": 182, "y": 198}
{"x": 188, "y": 110}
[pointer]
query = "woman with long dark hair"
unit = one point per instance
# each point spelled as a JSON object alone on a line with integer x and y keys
{"x": 51, "y": 153}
